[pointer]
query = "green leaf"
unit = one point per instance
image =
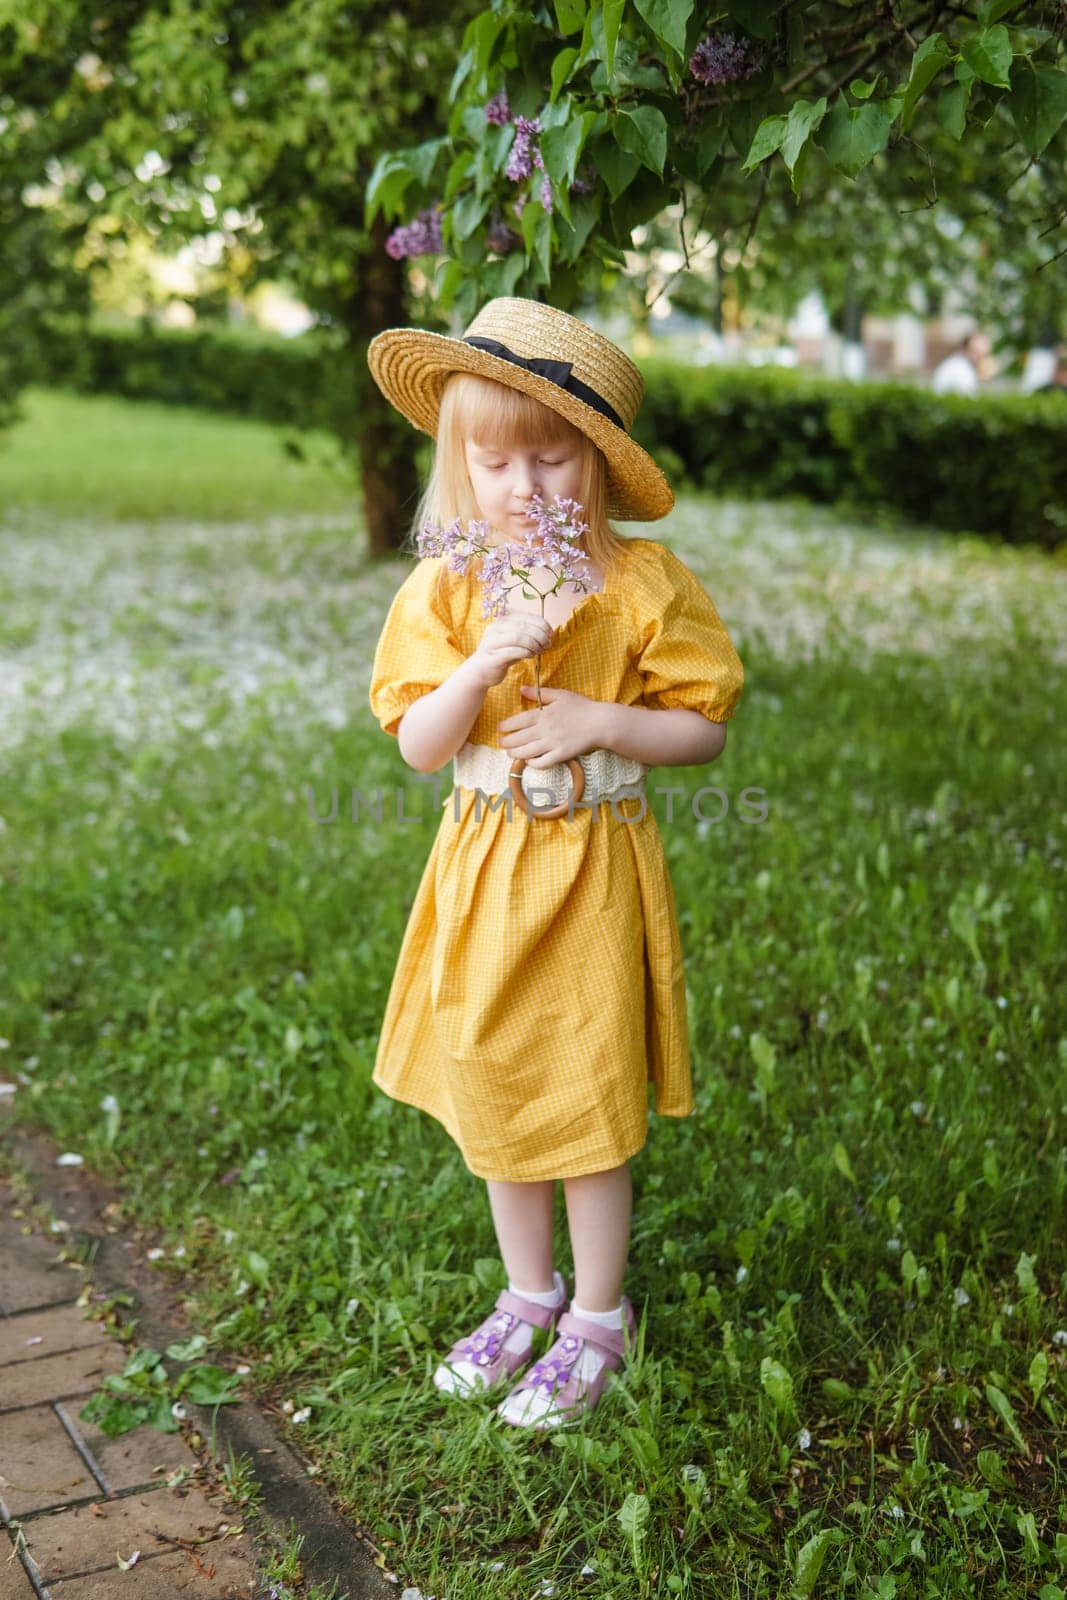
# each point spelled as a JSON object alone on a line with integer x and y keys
{"x": 768, "y": 138}
{"x": 385, "y": 188}
{"x": 862, "y": 89}
{"x": 468, "y": 212}
{"x": 632, "y": 1515}
{"x": 989, "y": 55}
{"x": 593, "y": 1451}
{"x": 852, "y": 136}
{"x": 992, "y": 1469}
{"x": 573, "y": 234}
{"x": 990, "y": 10}
{"x": 1024, "y": 1273}
{"x": 144, "y": 1359}
{"x": 482, "y": 33}
{"x": 709, "y": 143}
{"x": 560, "y": 150}
{"x": 617, "y": 169}
{"x": 186, "y": 1349}
{"x": 543, "y": 239}
{"x": 1037, "y": 1377}
{"x": 1000, "y": 1403}
{"x": 667, "y": 19}
{"x": 561, "y": 70}
{"x": 258, "y": 1268}
{"x": 642, "y": 132}
{"x": 613, "y": 10}
{"x": 777, "y": 1383}
{"x": 1038, "y": 102}
{"x": 209, "y": 1385}
{"x": 457, "y": 172}
{"x": 930, "y": 58}
{"x": 804, "y": 116}
{"x": 842, "y": 1163}
{"x": 570, "y": 16}
{"x": 809, "y": 1561}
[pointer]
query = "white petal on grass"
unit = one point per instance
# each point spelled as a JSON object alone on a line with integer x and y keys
{"x": 136, "y": 630}
{"x": 69, "y": 1158}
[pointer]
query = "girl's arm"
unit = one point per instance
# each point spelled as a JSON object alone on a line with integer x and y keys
{"x": 434, "y": 726}
{"x": 669, "y": 738}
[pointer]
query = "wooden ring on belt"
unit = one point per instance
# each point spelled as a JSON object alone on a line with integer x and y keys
{"x": 515, "y": 783}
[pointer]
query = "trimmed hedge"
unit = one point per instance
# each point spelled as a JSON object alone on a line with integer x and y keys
{"x": 994, "y": 465}
{"x": 305, "y": 382}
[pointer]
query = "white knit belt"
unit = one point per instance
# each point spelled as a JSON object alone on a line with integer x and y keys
{"x": 481, "y": 766}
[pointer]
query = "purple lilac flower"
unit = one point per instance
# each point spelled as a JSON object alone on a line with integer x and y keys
{"x": 419, "y": 238}
{"x": 552, "y": 544}
{"x": 546, "y": 193}
{"x": 523, "y": 159}
{"x": 497, "y": 109}
{"x": 722, "y": 58}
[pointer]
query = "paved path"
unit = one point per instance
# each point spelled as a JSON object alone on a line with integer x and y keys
{"x": 74, "y": 1500}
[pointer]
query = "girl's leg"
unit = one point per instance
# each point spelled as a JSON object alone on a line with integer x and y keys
{"x": 599, "y": 1206}
{"x": 598, "y": 1213}
{"x": 522, "y": 1217}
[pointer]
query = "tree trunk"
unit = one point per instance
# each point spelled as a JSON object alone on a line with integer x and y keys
{"x": 385, "y": 441}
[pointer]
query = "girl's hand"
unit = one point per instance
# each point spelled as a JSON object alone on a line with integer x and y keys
{"x": 568, "y": 724}
{"x": 506, "y": 639}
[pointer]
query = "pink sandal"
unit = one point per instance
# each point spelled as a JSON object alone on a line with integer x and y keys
{"x": 485, "y": 1347}
{"x": 552, "y": 1376}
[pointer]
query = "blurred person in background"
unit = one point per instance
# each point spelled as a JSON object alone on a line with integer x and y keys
{"x": 1057, "y": 383}
{"x": 964, "y": 368}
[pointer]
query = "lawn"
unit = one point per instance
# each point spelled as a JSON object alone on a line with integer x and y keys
{"x": 848, "y": 1264}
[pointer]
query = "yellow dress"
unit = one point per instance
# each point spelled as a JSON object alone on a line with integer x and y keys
{"x": 540, "y": 986}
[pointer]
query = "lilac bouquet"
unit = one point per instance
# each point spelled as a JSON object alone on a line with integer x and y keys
{"x": 552, "y": 544}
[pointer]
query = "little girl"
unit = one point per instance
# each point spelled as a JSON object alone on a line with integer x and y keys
{"x": 540, "y": 984}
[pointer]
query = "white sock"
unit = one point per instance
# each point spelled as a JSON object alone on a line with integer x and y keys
{"x": 521, "y": 1337}
{"x": 590, "y": 1361}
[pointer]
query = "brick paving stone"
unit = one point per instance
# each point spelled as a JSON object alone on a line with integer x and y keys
{"x": 75, "y": 1372}
{"x": 220, "y": 1570}
{"x": 85, "y": 1539}
{"x": 32, "y": 1275}
{"x": 14, "y": 1584}
{"x": 54, "y": 1328}
{"x": 142, "y": 1457}
{"x": 40, "y": 1465}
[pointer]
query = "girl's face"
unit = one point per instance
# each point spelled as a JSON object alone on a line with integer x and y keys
{"x": 504, "y": 481}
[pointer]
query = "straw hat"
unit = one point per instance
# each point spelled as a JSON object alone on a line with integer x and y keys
{"x": 555, "y": 357}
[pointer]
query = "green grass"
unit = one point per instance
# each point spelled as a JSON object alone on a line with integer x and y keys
{"x": 109, "y": 459}
{"x": 848, "y": 1264}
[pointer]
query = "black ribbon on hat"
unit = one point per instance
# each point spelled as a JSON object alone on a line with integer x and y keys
{"x": 557, "y": 372}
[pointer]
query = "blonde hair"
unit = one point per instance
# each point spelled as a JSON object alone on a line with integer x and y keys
{"x": 490, "y": 413}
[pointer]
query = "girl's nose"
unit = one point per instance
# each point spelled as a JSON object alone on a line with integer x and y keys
{"x": 525, "y": 481}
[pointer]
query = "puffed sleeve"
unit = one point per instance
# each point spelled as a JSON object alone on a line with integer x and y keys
{"x": 687, "y": 658}
{"x": 417, "y": 648}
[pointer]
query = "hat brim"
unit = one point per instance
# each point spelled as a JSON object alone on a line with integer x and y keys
{"x": 410, "y": 367}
